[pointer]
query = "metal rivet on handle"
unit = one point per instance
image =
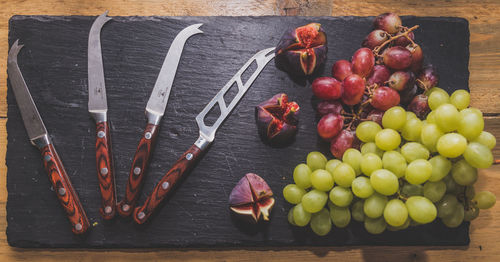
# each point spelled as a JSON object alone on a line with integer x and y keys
{"x": 137, "y": 171}
{"x": 61, "y": 191}
{"x": 125, "y": 207}
{"x": 46, "y": 158}
{"x": 189, "y": 156}
{"x": 165, "y": 185}
{"x": 108, "y": 209}
{"x": 148, "y": 135}
{"x": 141, "y": 215}
{"x": 101, "y": 134}
{"x": 78, "y": 227}
{"x": 104, "y": 171}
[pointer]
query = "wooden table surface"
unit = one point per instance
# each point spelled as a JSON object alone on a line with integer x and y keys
{"x": 484, "y": 25}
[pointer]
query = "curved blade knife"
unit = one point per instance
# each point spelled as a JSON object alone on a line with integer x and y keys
{"x": 154, "y": 112}
{"x": 98, "y": 108}
{"x": 39, "y": 138}
{"x": 207, "y": 135}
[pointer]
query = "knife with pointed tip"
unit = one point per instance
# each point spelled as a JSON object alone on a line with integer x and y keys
{"x": 98, "y": 109}
{"x": 155, "y": 109}
{"x": 207, "y": 135}
{"x": 39, "y": 137}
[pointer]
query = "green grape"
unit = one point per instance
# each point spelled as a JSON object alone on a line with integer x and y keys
{"x": 300, "y": 216}
{"x": 451, "y": 186}
{"x": 314, "y": 200}
{"x": 384, "y": 182}
{"x": 413, "y": 223}
{"x": 410, "y": 115}
{"x": 429, "y": 91}
{"x": 367, "y": 130}
{"x": 375, "y": 225}
{"x": 394, "y": 118}
{"x": 451, "y": 145}
{"x": 413, "y": 151}
{"x": 316, "y": 160}
{"x": 331, "y": 165}
{"x": 405, "y": 225}
{"x": 441, "y": 166}
{"x": 369, "y": 163}
{"x": 437, "y": 98}
{"x": 447, "y": 117}
{"x": 320, "y": 222}
{"x": 470, "y": 125}
{"x": 471, "y": 214}
{"x": 340, "y": 216}
{"x": 293, "y": 194}
{"x": 371, "y": 147}
{"x": 463, "y": 173}
{"x": 460, "y": 99}
{"x": 290, "y": 217}
{"x": 485, "y": 138}
{"x": 409, "y": 190}
{"x": 472, "y": 110}
{"x": 302, "y": 176}
{"x": 357, "y": 211}
{"x": 456, "y": 218}
{"x": 374, "y": 205}
{"x": 395, "y": 213}
{"x": 431, "y": 117}
{"x": 478, "y": 155}
{"x": 470, "y": 192}
{"x": 412, "y": 129}
{"x": 353, "y": 157}
{"x": 341, "y": 196}
{"x": 321, "y": 180}
{"x": 446, "y": 206}
{"x": 484, "y": 200}
{"x": 361, "y": 187}
{"x": 418, "y": 171}
{"x": 394, "y": 162}
{"x": 434, "y": 191}
{"x": 429, "y": 136}
{"x": 421, "y": 209}
{"x": 387, "y": 139}
{"x": 343, "y": 175}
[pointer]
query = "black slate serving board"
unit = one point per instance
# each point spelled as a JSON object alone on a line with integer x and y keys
{"x": 54, "y": 64}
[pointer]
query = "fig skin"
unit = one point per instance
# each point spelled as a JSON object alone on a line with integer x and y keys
{"x": 255, "y": 188}
{"x": 302, "y": 50}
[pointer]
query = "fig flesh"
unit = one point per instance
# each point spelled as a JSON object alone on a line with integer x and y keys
{"x": 251, "y": 198}
{"x": 277, "y": 119}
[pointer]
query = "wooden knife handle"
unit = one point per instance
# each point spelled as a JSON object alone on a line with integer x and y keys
{"x": 138, "y": 170}
{"x": 64, "y": 190}
{"x": 183, "y": 164}
{"x": 105, "y": 170}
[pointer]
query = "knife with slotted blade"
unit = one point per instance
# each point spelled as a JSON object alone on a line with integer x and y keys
{"x": 207, "y": 135}
{"x": 39, "y": 137}
{"x": 154, "y": 112}
{"x": 98, "y": 109}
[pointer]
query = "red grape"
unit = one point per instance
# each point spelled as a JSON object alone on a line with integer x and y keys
{"x": 384, "y": 98}
{"x": 330, "y": 125}
{"x": 327, "y": 88}
{"x": 397, "y": 57}
{"x": 327, "y": 107}
{"x": 428, "y": 78}
{"x": 417, "y": 57}
{"x": 354, "y": 87}
{"x": 363, "y": 61}
{"x": 343, "y": 141}
{"x": 341, "y": 69}
{"x": 419, "y": 106}
{"x": 375, "y": 38}
{"x": 389, "y": 22}
{"x": 376, "y": 116}
{"x": 403, "y": 41}
{"x": 379, "y": 75}
{"x": 400, "y": 80}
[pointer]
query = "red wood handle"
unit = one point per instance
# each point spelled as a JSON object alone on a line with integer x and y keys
{"x": 105, "y": 170}
{"x": 183, "y": 164}
{"x": 138, "y": 170}
{"x": 64, "y": 190}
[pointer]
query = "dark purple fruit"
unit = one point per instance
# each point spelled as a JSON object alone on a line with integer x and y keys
{"x": 251, "y": 199}
{"x": 419, "y": 106}
{"x": 408, "y": 94}
{"x": 379, "y": 75}
{"x": 428, "y": 77}
{"x": 397, "y": 58}
{"x": 389, "y": 22}
{"x": 375, "y": 38}
{"x": 400, "y": 80}
{"x": 327, "y": 107}
{"x": 277, "y": 119}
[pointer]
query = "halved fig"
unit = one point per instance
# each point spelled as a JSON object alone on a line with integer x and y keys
{"x": 251, "y": 198}
{"x": 277, "y": 119}
{"x": 302, "y": 50}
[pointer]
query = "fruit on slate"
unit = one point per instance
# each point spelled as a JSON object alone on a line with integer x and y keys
{"x": 277, "y": 119}
{"x": 303, "y": 49}
{"x": 419, "y": 106}
{"x": 384, "y": 98}
{"x": 327, "y": 107}
{"x": 327, "y": 88}
{"x": 397, "y": 58}
{"x": 340, "y": 143}
{"x": 362, "y": 62}
{"x": 341, "y": 69}
{"x": 375, "y": 116}
{"x": 402, "y": 40}
{"x": 354, "y": 86}
{"x": 375, "y": 38}
{"x": 428, "y": 78}
{"x": 401, "y": 80}
{"x": 389, "y": 22}
{"x": 251, "y": 198}
{"x": 417, "y": 56}
{"x": 379, "y": 76}
{"x": 330, "y": 125}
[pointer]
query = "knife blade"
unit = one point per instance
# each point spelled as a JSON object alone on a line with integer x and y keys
{"x": 39, "y": 137}
{"x": 207, "y": 135}
{"x": 98, "y": 109}
{"x": 155, "y": 109}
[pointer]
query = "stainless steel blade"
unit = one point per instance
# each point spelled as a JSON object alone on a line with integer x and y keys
{"x": 161, "y": 91}
{"x": 208, "y": 132}
{"x": 31, "y": 118}
{"x": 97, "y": 89}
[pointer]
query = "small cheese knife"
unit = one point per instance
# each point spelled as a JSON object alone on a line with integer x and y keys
{"x": 39, "y": 138}
{"x": 98, "y": 109}
{"x": 207, "y": 135}
{"x": 154, "y": 112}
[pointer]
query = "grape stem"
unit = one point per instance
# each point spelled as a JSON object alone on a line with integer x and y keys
{"x": 377, "y": 49}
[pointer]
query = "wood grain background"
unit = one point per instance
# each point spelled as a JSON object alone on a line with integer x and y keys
{"x": 484, "y": 19}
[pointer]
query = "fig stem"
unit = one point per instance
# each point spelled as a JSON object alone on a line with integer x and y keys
{"x": 377, "y": 49}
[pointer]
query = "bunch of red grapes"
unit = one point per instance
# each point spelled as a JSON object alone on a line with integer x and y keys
{"x": 387, "y": 71}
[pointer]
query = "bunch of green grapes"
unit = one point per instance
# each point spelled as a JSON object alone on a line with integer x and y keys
{"x": 407, "y": 172}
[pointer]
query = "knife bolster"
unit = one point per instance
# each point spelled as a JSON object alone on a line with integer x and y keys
{"x": 99, "y": 116}
{"x": 41, "y": 141}
{"x": 153, "y": 118}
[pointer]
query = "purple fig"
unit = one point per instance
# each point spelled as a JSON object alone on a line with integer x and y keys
{"x": 252, "y": 198}
{"x": 277, "y": 119}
